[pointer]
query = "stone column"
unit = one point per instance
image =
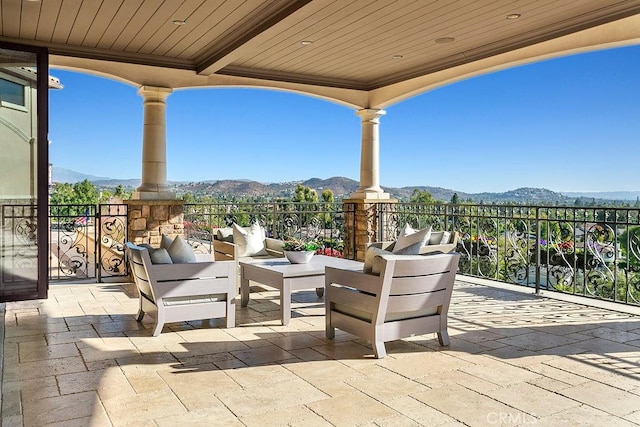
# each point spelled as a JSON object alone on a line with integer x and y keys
{"x": 370, "y": 157}
{"x": 362, "y": 223}
{"x": 154, "y": 141}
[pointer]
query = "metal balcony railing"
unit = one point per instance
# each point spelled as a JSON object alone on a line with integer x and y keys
{"x": 322, "y": 221}
{"x": 587, "y": 251}
{"x": 87, "y": 241}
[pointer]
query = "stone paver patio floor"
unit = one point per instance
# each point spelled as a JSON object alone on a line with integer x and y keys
{"x": 80, "y": 359}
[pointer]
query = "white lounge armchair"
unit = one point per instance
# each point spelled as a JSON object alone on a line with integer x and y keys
{"x": 410, "y": 296}
{"x": 183, "y": 292}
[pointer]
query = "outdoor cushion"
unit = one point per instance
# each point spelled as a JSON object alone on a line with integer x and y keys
{"x": 439, "y": 238}
{"x": 225, "y": 234}
{"x": 160, "y": 256}
{"x": 406, "y": 230}
{"x": 166, "y": 241}
{"x": 250, "y": 242}
{"x": 369, "y": 258}
{"x": 446, "y": 236}
{"x": 180, "y": 251}
{"x": 419, "y": 238}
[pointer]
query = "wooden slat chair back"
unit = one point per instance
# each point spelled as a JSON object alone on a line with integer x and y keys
{"x": 411, "y": 296}
{"x": 183, "y": 292}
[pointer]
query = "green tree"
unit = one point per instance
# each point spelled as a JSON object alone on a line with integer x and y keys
{"x": 85, "y": 193}
{"x": 421, "y": 196}
{"x": 62, "y": 194}
{"x": 327, "y": 196}
{"x": 105, "y": 195}
{"x": 120, "y": 193}
{"x": 455, "y": 199}
{"x": 305, "y": 194}
{"x": 80, "y": 193}
{"x": 188, "y": 198}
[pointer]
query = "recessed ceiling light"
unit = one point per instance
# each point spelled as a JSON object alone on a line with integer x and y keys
{"x": 397, "y": 57}
{"x": 179, "y": 22}
{"x": 443, "y": 40}
{"x": 514, "y": 16}
{"x": 306, "y": 42}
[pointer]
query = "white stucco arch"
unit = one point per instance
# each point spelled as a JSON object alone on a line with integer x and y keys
{"x": 623, "y": 32}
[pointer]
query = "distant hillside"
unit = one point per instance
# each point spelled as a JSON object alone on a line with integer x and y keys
{"x": 342, "y": 187}
{"x": 608, "y": 195}
{"x": 67, "y": 175}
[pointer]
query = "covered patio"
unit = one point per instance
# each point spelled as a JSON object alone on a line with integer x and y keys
{"x": 79, "y": 358}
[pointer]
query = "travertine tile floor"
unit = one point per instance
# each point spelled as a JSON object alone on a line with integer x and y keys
{"x": 79, "y": 359}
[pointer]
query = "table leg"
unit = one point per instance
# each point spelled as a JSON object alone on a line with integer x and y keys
{"x": 285, "y": 302}
{"x": 244, "y": 291}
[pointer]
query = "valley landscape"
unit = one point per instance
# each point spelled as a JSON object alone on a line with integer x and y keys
{"x": 342, "y": 187}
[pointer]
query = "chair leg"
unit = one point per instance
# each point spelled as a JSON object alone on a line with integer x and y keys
{"x": 443, "y": 337}
{"x": 379, "y": 349}
{"x": 330, "y": 331}
{"x": 231, "y": 313}
{"x": 158, "y": 328}
{"x": 159, "y": 322}
{"x": 140, "y": 315}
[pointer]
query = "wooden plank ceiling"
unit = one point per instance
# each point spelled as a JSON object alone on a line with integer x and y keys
{"x": 353, "y": 44}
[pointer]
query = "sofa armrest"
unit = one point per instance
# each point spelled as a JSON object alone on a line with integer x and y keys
{"x": 274, "y": 247}
{"x": 204, "y": 257}
{"x": 387, "y": 246}
{"x": 445, "y": 248}
{"x": 224, "y": 251}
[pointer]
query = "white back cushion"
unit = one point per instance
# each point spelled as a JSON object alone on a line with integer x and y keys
{"x": 417, "y": 239}
{"x": 250, "y": 241}
{"x": 180, "y": 251}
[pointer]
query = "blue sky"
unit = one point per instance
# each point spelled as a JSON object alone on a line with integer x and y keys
{"x": 568, "y": 124}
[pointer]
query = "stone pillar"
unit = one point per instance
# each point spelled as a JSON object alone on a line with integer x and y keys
{"x": 150, "y": 219}
{"x": 370, "y": 157}
{"x": 364, "y": 224}
{"x": 154, "y": 142}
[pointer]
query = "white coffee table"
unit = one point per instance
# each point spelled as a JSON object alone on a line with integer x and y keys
{"x": 279, "y": 273}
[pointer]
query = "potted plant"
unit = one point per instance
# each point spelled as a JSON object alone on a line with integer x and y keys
{"x": 299, "y": 251}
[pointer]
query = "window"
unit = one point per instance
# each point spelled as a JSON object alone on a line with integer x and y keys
{"x": 11, "y": 92}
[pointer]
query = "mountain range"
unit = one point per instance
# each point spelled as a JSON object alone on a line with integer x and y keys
{"x": 342, "y": 187}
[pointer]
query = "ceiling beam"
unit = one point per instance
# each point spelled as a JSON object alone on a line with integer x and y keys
{"x": 245, "y": 41}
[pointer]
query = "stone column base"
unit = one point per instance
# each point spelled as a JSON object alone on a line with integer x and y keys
{"x": 153, "y": 195}
{"x": 361, "y": 225}
{"x": 148, "y": 220}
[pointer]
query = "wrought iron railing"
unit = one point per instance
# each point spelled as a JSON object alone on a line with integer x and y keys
{"x": 18, "y": 248}
{"x": 87, "y": 241}
{"x": 592, "y": 252}
{"x": 321, "y": 221}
